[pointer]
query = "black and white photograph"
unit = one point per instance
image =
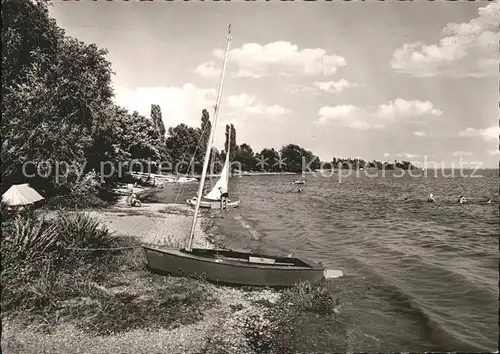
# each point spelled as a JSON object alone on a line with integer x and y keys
{"x": 250, "y": 176}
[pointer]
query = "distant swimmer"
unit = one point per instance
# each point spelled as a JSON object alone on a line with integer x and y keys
{"x": 462, "y": 200}
{"x": 430, "y": 199}
{"x": 300, "y": 190}
{"x": 407, "y": 199}
{"x": 489, "y": 201}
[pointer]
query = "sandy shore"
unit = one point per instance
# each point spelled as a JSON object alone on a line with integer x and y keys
{"x": 155, "y": 223}
{"x": 152, "y": 224}
{"x": 223, "y": 324}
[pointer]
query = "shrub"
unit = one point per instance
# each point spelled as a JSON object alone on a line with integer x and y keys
{"x": 76, "y": 201}
{"x": 306, "y": 318}
{"x": 82, "y": 230}
{"x": 35, "y": 252}
{"x": 319, "y": 298}
{"x": 30, "y": 239}
{"x": 84, "y": 193}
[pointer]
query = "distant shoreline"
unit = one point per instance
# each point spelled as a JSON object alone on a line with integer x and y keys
{"x": 172, "y": 177}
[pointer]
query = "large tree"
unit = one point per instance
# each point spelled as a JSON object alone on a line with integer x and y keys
{"x": 231, "y": 131}
{"x": 158, "y": 120}
{"x": 268, "y": 160}
{"x": 57, "y": 105}
{"x": 246, "y": 157}
{"x": 204, "y": 135}
{"x": 182, "y": 143}
{"x": 296, "y": 158}
{"x": 55, "y": 90}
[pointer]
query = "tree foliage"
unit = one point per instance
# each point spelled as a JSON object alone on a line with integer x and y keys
{"x": 267, "y": 160}
{"x": 246, "y": 157}
{"x": 231, "y": 132}
{"x": 182, "y": 144}
{"x": 158, "y": 121}
{"x": 296, "y": 159}
{"x": 350, "y": 163}
{"x": 57, "y": 103}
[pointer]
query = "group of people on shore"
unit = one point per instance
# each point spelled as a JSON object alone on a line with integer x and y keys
{"x": 461, "y": 199}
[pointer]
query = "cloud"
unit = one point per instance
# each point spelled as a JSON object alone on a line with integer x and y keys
{"x": 404, "y": 154}
{"x": 249, "y": 105}
{"x": 491, "y": 133}
{"x": 293, "y": 89}
{"x": 184, "y": 104}
{"x": 208, "y": 70}
{"x": 410, "y": 156}
{"x": 253, "y": 60}
{"x": 178, "y": 104}
{"x": 420, "y": 133}
{"x": 241, "y": 101}
{"x": 407, "y": 155}
{"x": 325, "y": 86}
{"x": 394, "y": 111}
{"x": 411, "y": 109}
{"x": 467, "y": 49}
{"x": 334, "y": 86}
{"x": 462, "y": 153}
{"x": 347, "y": 115}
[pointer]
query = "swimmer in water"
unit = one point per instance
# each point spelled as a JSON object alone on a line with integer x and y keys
{"x": 462, "y": 200}
{"x": 430, "y": 199}
{"x": 489, "y": 201}
{"x": 407, "y": 199}
{"x": 300, "y": 190}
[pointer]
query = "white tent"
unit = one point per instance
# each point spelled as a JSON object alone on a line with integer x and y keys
{"x": 21, "y": 194}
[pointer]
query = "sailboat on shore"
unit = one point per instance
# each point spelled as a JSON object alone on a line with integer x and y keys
{"x": 213, "y": 199}
{"x": 301, "y": 181}
{"x": 226, "y": 266}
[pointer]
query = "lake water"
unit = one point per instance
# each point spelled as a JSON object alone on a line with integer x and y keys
{"x": 418, "y": 276}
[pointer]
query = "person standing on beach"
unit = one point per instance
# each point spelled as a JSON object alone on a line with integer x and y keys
{"x": 223, "y": 198}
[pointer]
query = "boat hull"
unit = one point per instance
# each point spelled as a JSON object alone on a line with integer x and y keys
{"x": 213, "y": 204}
{"x": 233, "y": 268}
{"x": 186, "y": 180}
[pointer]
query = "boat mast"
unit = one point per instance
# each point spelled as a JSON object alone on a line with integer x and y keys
{"x": 228, "y": 154}
{"x": 209, "y": 148}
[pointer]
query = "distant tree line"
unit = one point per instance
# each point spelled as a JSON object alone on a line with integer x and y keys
{"x": 346, "y": 163}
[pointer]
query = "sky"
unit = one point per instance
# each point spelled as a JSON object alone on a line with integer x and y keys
{"x": 414, "y": 81}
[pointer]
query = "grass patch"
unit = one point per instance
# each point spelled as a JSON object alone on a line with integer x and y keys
{"x": 47, "y": 279}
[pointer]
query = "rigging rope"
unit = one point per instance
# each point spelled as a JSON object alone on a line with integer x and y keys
{"x": 102, "y": 249}
{"x": 191, "y": 162}
{"x": 197, "y": 146}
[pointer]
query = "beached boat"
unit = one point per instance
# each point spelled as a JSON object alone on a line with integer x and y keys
{"x": 234, "y": 268}
{"x": 185, "y": 180}
{"x": 225, "y": 266}
{"x": 211, "y": 204}
{"x": 301, "y": 181}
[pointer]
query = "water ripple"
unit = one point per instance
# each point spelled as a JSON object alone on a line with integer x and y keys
{"x": 431, "y": 270}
